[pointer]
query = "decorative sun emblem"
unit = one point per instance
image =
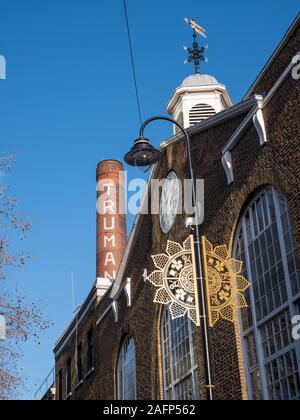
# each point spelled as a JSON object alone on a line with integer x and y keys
{"x": 175, "y": 280}
{"x": 225, "y": 284}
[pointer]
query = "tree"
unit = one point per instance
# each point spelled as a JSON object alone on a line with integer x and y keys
{"x": 24, "y": 320}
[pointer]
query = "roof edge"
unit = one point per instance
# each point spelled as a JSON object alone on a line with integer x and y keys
{"x": 274, "y": 55}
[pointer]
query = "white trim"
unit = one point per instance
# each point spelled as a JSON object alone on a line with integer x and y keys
{"x": 284, "y": 75}
{"x": 114, "y": 307}
{"x": 115, "y": 310}
{"x": 103, "y": 315}
{"x": 255, "y": 116}
{"x": 121, "y": 290}
{"x": 127, "y": 290}
{"x": 145, "y": 275}
{"x": 104, "y": 285}
{"x": 259, "y": 124}
{"x": 236, "y": 136}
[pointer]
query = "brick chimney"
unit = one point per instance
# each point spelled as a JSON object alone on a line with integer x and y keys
{"x": 111, "y": 220}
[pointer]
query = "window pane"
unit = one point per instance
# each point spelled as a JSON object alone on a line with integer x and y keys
{"x": 90, "y": 351}
{"x": 283, "y": 380}
{"x": 79, "y": 364}
{"x": 180, "y": 370}
{"x": 60, "y": 385}
{"x": 69, "y": 377}
{"x": 272, "y": 266}
{"x": 126, "y": 371}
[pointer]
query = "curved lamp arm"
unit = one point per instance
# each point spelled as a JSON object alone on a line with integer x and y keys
{"x": 188, "y": 147}
{"x": 163, "y": 118}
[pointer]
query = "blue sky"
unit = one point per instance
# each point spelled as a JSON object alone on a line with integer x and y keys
{"x": 68, "y": 102}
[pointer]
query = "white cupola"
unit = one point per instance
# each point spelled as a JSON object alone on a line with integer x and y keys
{"x": 198, "y": 98}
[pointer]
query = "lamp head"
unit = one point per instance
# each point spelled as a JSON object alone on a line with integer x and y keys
{"x": 143, "y": 154}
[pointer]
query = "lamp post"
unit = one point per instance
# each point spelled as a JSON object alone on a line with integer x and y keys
{"x": 144, "y": 154}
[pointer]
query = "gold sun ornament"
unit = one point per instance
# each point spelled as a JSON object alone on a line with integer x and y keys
{"x": 175, "y": 279}
{"x": 225, "y": 286}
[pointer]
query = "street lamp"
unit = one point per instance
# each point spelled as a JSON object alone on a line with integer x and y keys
{"x": 144, "y": 154}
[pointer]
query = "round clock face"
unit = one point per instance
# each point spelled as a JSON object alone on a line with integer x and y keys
{"x": 169, "y": 202}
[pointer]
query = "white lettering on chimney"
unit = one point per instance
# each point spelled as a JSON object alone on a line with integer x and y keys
{"x": 106, "y": 224}
{"x": 108, "y": 240}
{"x": 109, "y": 206}
{"x": 109, "y": 186}
{"x": 109, "y": 276}
{"x": 110, "y": 259}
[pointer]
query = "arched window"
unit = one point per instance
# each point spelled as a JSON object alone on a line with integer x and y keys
{"x": 127, "y": 371}
{"x": 179, "y": 361}
{"x": 200, "y": 113}
{"x": 265, "y": 243}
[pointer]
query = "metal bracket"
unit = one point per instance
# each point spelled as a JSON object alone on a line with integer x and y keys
{"x": 115, "y": 310}
{"x": 227, "y": 164}
{"x": 127, "y": 290}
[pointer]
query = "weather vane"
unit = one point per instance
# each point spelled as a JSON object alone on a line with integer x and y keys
{"x": 196, "y": 53}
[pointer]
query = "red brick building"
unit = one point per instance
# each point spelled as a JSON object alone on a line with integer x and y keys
{"x": 122, "y": 345}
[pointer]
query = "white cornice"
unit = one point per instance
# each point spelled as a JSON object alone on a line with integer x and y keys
{"x": 255, "y": 116}
{"x": 242, "y": 127}
{"x": 126, "y": 288}
{"x": 104, "y": 314}
{"x": 183, "y": 90}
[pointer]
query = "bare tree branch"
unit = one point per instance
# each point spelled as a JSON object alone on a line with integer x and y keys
{"x": 23, "y": 321}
